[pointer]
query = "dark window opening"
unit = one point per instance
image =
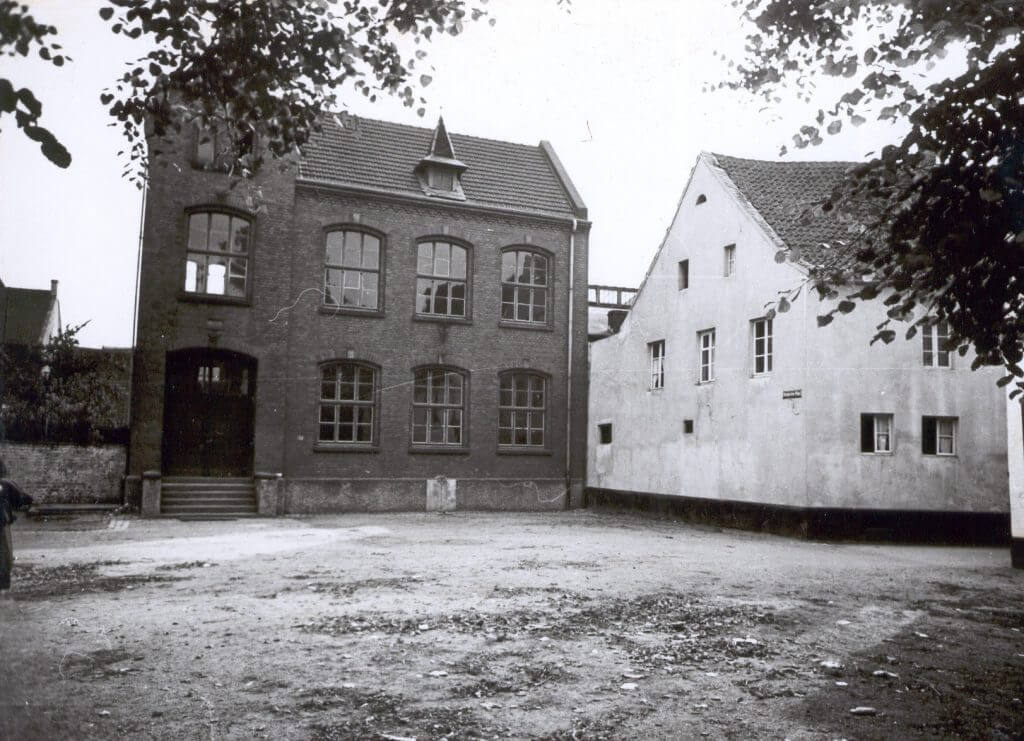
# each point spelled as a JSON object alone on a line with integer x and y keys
{"x": 701, "y": 199}
{"x": 605, "y": 431}
{"x": 688, "y": 426}
{"x": 684, "y": 274}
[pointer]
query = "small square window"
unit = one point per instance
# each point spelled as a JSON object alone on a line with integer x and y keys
{"x": 684, "y": 274}
{"x": 730, "y": 260}
{"x": 656, "y": 352}
{"x": 604, "y": 432}
{"x": 938, "y": 435}
{"x": 688, "y": 426}
{"x": 876, "y": 433}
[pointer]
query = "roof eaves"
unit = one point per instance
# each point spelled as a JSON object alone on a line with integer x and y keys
{"x": 563, "y": 178}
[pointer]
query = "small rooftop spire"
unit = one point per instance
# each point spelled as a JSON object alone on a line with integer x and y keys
{"x": 441, "y": 145}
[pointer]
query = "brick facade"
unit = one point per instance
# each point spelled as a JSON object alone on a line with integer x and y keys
{"x": 285, "y": 326}
{"x": 66, "y": 474}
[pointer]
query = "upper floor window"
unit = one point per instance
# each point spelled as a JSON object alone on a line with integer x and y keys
{"x": 935, "y": 345}
{"x": 876, "y": 433}
{"x": 730, "y": 260}
{"x": 525, "y": 276}
{"x": 218, "y": 261}
{"x": 684, "y": 274}
{"x": 656, "y": 354}
{"x": 522, "y": 408}
{"x": 441, "y": 284}
{"x": 438, "y": 407}
{"x": 938, "y": 435}
{"x": 706, "y": 361}
{"x": 761, "y": 334}
{"x": 348, "y": 402}
{"x": 352, "y": 270}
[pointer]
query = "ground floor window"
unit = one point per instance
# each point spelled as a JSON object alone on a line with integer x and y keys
{"x": 876, "y": 435}
{"x": 438, "y": 407}
{"x": 522, "y": 406}
{"x": 348, "y": 395}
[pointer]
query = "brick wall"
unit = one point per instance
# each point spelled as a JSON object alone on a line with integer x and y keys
{"x": 285, "y": 328}
{"x": 66, "y": 474}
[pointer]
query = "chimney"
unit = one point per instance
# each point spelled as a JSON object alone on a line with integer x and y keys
{"x": 53, "y": 287}
{"x": 615, "y": 319}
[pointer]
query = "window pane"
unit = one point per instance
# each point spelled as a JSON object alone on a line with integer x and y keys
{"x": 236, "y": 278}
{"x": 440, "y": 297}
{"x": 216, "y": 274}
{"x": 364, "y": 433}
{"x": 508, "y": 267}
{"x": 352, "y": 255}
{"x": 220, "y": 232}
{"x": 536, "y": 436}
{"x": 540, "y": 270}
{"x": 458, "y": 264}
{"x": 523, "y": 267}
{"x": 328, "y": 390}
{"x": 192, "y": 273}
{"x": 239, "y": 235}
{"x": 327, "y": 413}
{"x": 371, "y": 252}
{"x": 442, "y": 258}
{"x": 424, "y": 295}
{"x": 327, "y": 433}
{"x": 335, "y": 241}
{"x": 425, "y": 258}
{"x": 419, "y": 390}
{"x": 198, "y": 224}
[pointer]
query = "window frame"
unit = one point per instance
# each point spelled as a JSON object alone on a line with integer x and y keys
{"x": 709, "y": 377}
{"x": 467, "y": 281}
{"x": 729, "y": 260}
{"x": 684, "y": 274}
{"x": 656, "y": 365}
{"x": 330, "y": 308}
{"x": 931, "y": 356}
{"x": 931, "y": 440}
{"x": 355, "y": 445}
{"x": 547, "y": 287}
{"x": 249, "y": 255}
{"x": 531, "y": 375}
{"x": 876, "y": 417}
{"x": 445, "y": 446}
{"x": 768, "y": 356}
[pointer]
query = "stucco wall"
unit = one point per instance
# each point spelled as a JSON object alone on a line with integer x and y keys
{"x": 750, "y": 443}
{"x": 1015, "y": 453}
{"x": 66, "y": 474}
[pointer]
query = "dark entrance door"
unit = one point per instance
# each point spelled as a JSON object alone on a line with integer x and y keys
{"x": 208, "y": 413}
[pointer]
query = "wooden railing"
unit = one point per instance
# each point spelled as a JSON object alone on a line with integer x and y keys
{"x": 611, "y": 297}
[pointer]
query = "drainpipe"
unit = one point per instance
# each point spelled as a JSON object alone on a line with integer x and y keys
{"x": 135, "y": 321}
{"x": 568, "y": 374}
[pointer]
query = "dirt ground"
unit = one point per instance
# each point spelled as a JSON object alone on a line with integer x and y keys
{"x": 553, "y": 626}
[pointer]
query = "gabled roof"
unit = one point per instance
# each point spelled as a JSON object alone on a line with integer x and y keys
{"x": 788, "y": 196}
{"x": 381, "y": 156}
{"x": 25, "y": 315}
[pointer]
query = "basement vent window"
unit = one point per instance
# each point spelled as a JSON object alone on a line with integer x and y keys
{"x": 605, "y": 433}
{"x": 688, "y": 426}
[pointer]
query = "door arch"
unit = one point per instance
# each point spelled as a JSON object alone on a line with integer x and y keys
{"x": 209, "y": 411}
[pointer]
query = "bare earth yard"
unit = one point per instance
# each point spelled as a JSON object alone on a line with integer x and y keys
{"x": 555, "y": 626}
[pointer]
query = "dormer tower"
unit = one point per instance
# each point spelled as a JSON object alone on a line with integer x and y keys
{"x": 440, "y": 171}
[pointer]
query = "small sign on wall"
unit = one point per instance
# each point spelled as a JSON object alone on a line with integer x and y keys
{"x": 792, "y": 394}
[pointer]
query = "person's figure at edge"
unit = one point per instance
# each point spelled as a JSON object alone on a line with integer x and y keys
{"x": 12, "y": 498}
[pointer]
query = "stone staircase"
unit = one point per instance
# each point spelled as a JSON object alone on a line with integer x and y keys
{"x": 201, "y": 496}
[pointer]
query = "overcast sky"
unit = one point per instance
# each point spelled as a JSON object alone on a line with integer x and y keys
{"x": 614, "y": 85}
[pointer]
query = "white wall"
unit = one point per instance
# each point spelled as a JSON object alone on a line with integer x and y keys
{"x": 751, "y": 444}
{"x": 1015, "y": 451}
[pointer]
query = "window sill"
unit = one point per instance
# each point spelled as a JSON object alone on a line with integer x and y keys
{"x": 756, "y": 376}
{"x": 441, "y": 319}
{"x": 438, "y": 450}
{"x": 660, "y": 388}
{"x": 344, "y": 448}
{"x": 212, "y": 298}
{"x": 523, "y": 450}
{"x": 704, "y": 383}
{"x": 941, "y": 456}
{"x": 535, "y": 326}
{"x": 330, "y": 310}
{"x": 879, "y": 454}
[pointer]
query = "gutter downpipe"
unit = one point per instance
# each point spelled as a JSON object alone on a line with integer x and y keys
{"x": 568, "y": 375}
{"x": 135, "y": 325}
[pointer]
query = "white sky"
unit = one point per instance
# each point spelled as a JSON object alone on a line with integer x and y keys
{"x": 614, "y": 85}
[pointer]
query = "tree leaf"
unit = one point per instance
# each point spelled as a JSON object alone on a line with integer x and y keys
{"x": 845, "y": 307}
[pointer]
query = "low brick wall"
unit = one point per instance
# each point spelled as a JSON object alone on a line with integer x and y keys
{"x": 67, "y": 474}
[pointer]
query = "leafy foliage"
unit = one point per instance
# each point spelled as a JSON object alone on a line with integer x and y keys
{"x": 245, "y": 71}
{"x": 60, "y": 393}
{"x": 20, "y": 34}
{"x": 944, "y": 208}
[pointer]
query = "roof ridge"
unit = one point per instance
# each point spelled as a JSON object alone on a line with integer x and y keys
{"x": 850, "y": 163}
{"x": 338, "y": 114}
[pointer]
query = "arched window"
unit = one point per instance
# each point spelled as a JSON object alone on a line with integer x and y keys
{"x": 525, "y": 277}
{"x": 439, "y": 407}
{"x": 522, "y": 409}
{"x": 442, "y": 286}
{"x": 352, "y": 261}
{"x": 348, "y": 403}
{"x": 218, "y": 259}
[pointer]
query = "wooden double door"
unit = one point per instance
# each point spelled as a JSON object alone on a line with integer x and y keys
{"x": 209, "y": 409}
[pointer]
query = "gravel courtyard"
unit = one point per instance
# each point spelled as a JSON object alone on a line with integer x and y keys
{"x": 574, "y": 625}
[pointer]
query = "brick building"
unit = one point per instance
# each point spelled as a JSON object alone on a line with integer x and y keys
{"x": 395, "y": 321}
